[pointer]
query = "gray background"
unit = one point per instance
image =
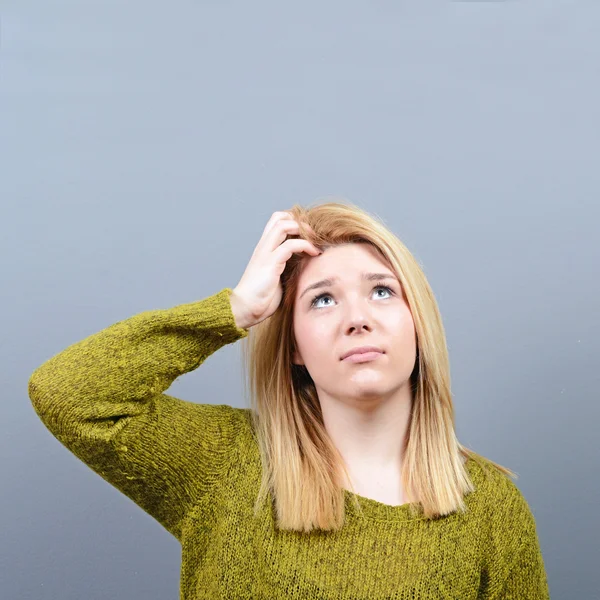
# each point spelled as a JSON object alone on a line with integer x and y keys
{"x": 144, "y": 145}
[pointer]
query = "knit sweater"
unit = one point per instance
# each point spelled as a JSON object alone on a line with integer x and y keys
{"x": 195, "y": 468}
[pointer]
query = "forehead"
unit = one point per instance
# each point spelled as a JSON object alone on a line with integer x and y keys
{"x": 347, "y": 261}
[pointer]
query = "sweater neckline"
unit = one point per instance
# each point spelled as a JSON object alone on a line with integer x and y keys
{"x": 371, "y": 509}
{"x": 374, "y": 510}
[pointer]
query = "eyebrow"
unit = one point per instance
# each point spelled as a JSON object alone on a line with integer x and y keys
{"x": 331, "y": 280}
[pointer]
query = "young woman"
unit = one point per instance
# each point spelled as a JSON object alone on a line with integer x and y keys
{"x": 345, "y": 478}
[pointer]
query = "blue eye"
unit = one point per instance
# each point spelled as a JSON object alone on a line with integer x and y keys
{"x": 325, "y": 294}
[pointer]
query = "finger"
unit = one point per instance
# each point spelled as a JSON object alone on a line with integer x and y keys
{"x": 275, "y": 217}
{"x": 279, "y": 232}
{"x": 284, "y": 251}
{"x": 265, "y": 240}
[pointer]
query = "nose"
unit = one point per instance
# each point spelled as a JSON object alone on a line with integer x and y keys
{"x": 358, "y": 316}
{"x": 359, "y": 321}
{"x": 359, "y": 326}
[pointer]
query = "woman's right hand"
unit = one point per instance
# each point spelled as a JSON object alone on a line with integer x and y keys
{"x": 259, "y": 291}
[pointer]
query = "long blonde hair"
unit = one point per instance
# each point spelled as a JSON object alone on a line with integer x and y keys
{"x": 301, "y": 467}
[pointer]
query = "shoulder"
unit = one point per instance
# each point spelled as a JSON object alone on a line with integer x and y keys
{"x": 242, "y": 417}
{"x": 205, "y": 415}
{"x": 491, "y": 482}
{"x": 243, "y": 425}
{"x": 214, "y": 424}
{"x": 511, "y": 555}
{"x": 498, "y": 500}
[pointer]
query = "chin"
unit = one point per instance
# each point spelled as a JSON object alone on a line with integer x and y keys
{"x": 370, "y": 392}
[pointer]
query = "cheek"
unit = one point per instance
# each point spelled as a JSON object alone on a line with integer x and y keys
{"x": 314, "y": 342}
{"x": 402, "y": 329}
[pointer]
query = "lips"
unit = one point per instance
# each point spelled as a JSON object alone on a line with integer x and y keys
{"x": 360, "y": 350}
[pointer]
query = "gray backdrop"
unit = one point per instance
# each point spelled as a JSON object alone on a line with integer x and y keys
{"x": 144, "y": 145}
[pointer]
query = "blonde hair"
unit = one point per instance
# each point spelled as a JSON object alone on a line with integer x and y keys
{"x": 301, "y": 467}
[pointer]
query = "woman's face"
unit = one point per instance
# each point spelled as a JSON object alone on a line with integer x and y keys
{"x": 349, "y": 312}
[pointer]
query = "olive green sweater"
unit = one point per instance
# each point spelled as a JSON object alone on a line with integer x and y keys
{"x": 196, "y": 469}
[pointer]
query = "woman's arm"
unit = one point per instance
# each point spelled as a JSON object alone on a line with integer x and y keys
{"x": 103, "y": 399}
{"x": 514, "y": 565}
{"x": 526, "y": 575}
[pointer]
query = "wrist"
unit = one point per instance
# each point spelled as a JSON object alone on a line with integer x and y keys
{"x": 239, "y": 312}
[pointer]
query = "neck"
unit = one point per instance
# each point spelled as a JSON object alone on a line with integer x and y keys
{"x": 370, "y": 437}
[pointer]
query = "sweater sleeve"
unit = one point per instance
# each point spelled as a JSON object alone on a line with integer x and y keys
{"x": 103, "y": 399}
{"x": 516, "y": 569}
{"x": 527, "y": 575}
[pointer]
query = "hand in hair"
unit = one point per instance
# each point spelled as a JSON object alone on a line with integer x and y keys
{"x": 259, "y": 291}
